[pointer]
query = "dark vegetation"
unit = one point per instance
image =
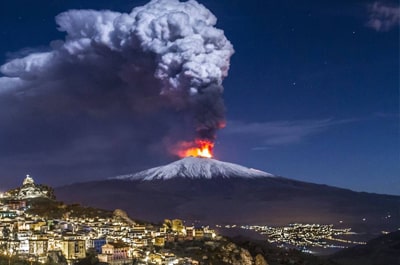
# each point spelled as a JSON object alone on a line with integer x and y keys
{"x": 13, "y": 260}
{"x": 53, "y": 209}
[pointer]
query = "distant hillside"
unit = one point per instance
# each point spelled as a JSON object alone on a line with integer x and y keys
{"x": 384, "y": 250}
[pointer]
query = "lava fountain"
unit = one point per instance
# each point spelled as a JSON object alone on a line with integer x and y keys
{"x": 198, "y": 148}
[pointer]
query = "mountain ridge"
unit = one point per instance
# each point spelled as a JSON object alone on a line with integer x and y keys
{"x": 272, "y": 201}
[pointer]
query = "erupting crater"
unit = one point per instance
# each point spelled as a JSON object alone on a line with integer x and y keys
{"x": 198, "y": 148}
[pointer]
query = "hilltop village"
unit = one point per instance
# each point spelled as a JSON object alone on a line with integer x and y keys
{"x": 37, "y": 228}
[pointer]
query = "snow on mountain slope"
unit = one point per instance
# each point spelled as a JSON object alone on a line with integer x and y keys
{"x": 195, "y": 168}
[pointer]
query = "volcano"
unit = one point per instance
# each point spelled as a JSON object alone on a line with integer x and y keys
{"x": 215, "y": 192}
{"x": 197, "y": 168}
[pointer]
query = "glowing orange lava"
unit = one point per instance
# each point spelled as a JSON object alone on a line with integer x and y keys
{"x": 202, "y": 148}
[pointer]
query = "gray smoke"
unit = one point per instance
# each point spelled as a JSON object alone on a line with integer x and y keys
{"x": 128, "y": 79}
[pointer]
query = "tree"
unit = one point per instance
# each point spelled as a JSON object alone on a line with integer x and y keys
{"x": 91, "y": 258}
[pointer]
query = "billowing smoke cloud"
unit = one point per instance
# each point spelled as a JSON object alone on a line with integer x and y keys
{"x": 383, "y": 17}
{"x": 134, "y": 79}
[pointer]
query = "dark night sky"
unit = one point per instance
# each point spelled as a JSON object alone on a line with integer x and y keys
{"x": 312, "y": 94}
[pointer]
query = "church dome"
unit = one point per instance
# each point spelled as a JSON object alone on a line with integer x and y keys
{"x": 28, "y": 180}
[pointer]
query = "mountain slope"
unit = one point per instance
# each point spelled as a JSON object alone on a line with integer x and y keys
{"x": 197, "y": 167}
{"x": 273, "y": 201}
{"x": 214, "y": 192}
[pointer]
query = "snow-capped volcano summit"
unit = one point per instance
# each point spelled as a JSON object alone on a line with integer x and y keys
{"x": 197, "y": 168}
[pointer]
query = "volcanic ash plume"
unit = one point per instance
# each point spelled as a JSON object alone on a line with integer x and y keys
{"x": 163, "y": 63}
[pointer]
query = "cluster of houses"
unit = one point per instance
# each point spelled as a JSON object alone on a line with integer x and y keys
{"x": 114, "y": 240}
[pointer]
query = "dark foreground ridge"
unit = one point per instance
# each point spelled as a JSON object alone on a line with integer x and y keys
{"x": 379, "y": 251}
